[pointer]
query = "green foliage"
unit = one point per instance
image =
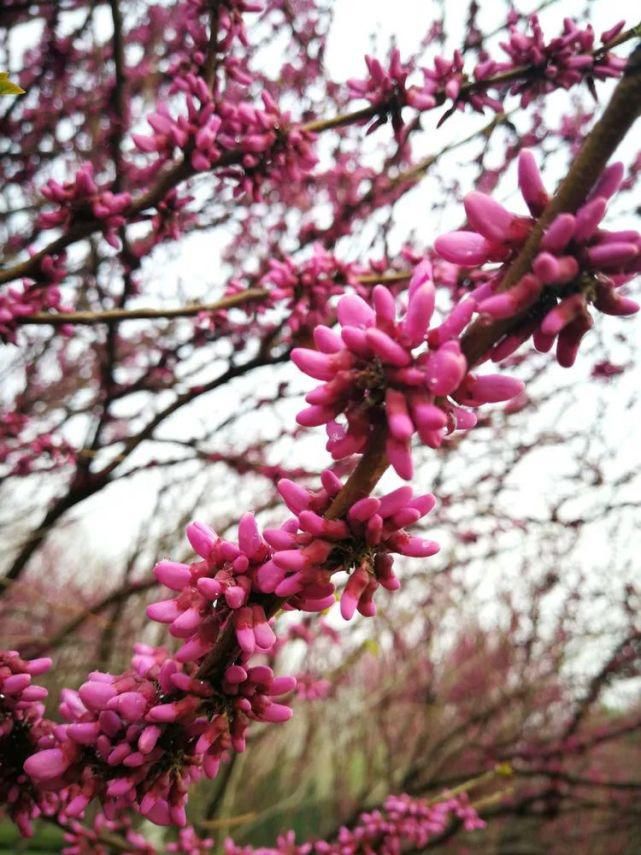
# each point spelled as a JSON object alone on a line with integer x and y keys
{"x": 47, "y": 840}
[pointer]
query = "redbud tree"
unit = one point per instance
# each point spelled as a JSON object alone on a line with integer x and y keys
{"x": 321, "y": 324}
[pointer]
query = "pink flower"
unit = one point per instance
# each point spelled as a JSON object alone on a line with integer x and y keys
{"x": 372, "y": 373}
{"x": 562, "y": 62}
{"x": 214, "y": 589}
{"x": 23, "y": 731}
{"x": 310, "y": 548}
{"x": 385, "y": 90}
{"x": 578, "y": 263}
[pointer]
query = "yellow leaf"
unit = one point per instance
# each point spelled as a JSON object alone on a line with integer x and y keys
{"x": 372, "y": 646}
{"x": 7, "y": 87}
{"x": 504, "y": 769}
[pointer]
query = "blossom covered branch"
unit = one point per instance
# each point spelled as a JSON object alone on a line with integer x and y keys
{"x": 395, "y": 369}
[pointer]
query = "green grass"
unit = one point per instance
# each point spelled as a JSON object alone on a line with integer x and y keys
{"x": 46, "y": 840}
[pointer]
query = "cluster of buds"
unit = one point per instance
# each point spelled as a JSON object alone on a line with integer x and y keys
{"x": 231, "y": 26}
{"x": 22, "y": 728}
{"x": 535, "y": 67}
{"x": 312, "y": 688}
{"x": 267, "y": 143}
{"x": 169, "y": 221}
{"x": 311, "y": 547}
{"x": 214, "y": 590}
{"x": 304, "y": 288}
{"x": 250, "y": 692}
{"x": 195, "y": 132}
{"x": 448, "y": 79}
{"x": 578, "y": 263}
{"x": 99, "y": 837}
{"x": 130, "y": 741}
{"x": 189, "y": 843}
{"x": 80, "y": 200}
{"x": 385, "y": 89}
{"x": 403, "y": 823}
{"x": 562, "y": 62}
{"x": 41, "y": 293}
{"x": 140, "y": 739}
{"x": 247, "y": 142}
{"x": 95, "y": 839}
{"x": 372, "y": 372}
{"x": 39, "y": 454}
{"x": 285, "y": 845}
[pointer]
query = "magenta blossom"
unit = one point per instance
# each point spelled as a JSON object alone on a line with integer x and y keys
{"x": 82, "y": 199}
{"x": 214, "y": 590}
{"x": 40, "y": 293}
{"x": 402, "y": 824}
{"x": 385, "y": 89}
{"x": 90, "y": 840}
{"x": 22, "y": 729}
{"x": 153, "y": 732}
{"x": 562, "y": 62}
{"x": 379, "y": 370}
{"x": 578, "y": 263}
{"x": 309, "y": 548}
{"x": 305, "y": 287}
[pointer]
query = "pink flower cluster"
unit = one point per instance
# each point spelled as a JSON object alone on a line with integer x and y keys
{"x": 189, "y": 843}
{"x": 285, "y": 845}
{"x": 38, "y": 294}
{"x": 80, "y": 200}
{"x": 310, "y": 547}
{"x": 94, "y": 840}
{"x": 130, "y": 728}
{"x": 269, "y": 145}
{"x": 311, "y": 688}
{"x": 42, "y": 453}
{"x": 169, "y": 221}
{"x": 372, "y": 374}
{"x": 536, "y": 67}
{"x": 214, "y": 590}
{"x": 98, "y": 839}
{"x": 247, "y": 142}
{"x": 304, "y": 288}
{"x": 23, "y": 453}
{"x": 403, "y": 822}
{"x": 22, "y": 726}
{"x": 448, "y": 78}
{"x": 562, "y": 62}
{"x": 230, "y": 21}
{"x": 385, "y": 90}
{"x": 196, "y": 131}
{"x": 140, "y": 739}
{"x": 578, "y": 263}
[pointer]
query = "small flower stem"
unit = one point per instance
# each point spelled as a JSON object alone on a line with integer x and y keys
{"x": 89, "y": 318}
{"x": 364, "y": 478}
